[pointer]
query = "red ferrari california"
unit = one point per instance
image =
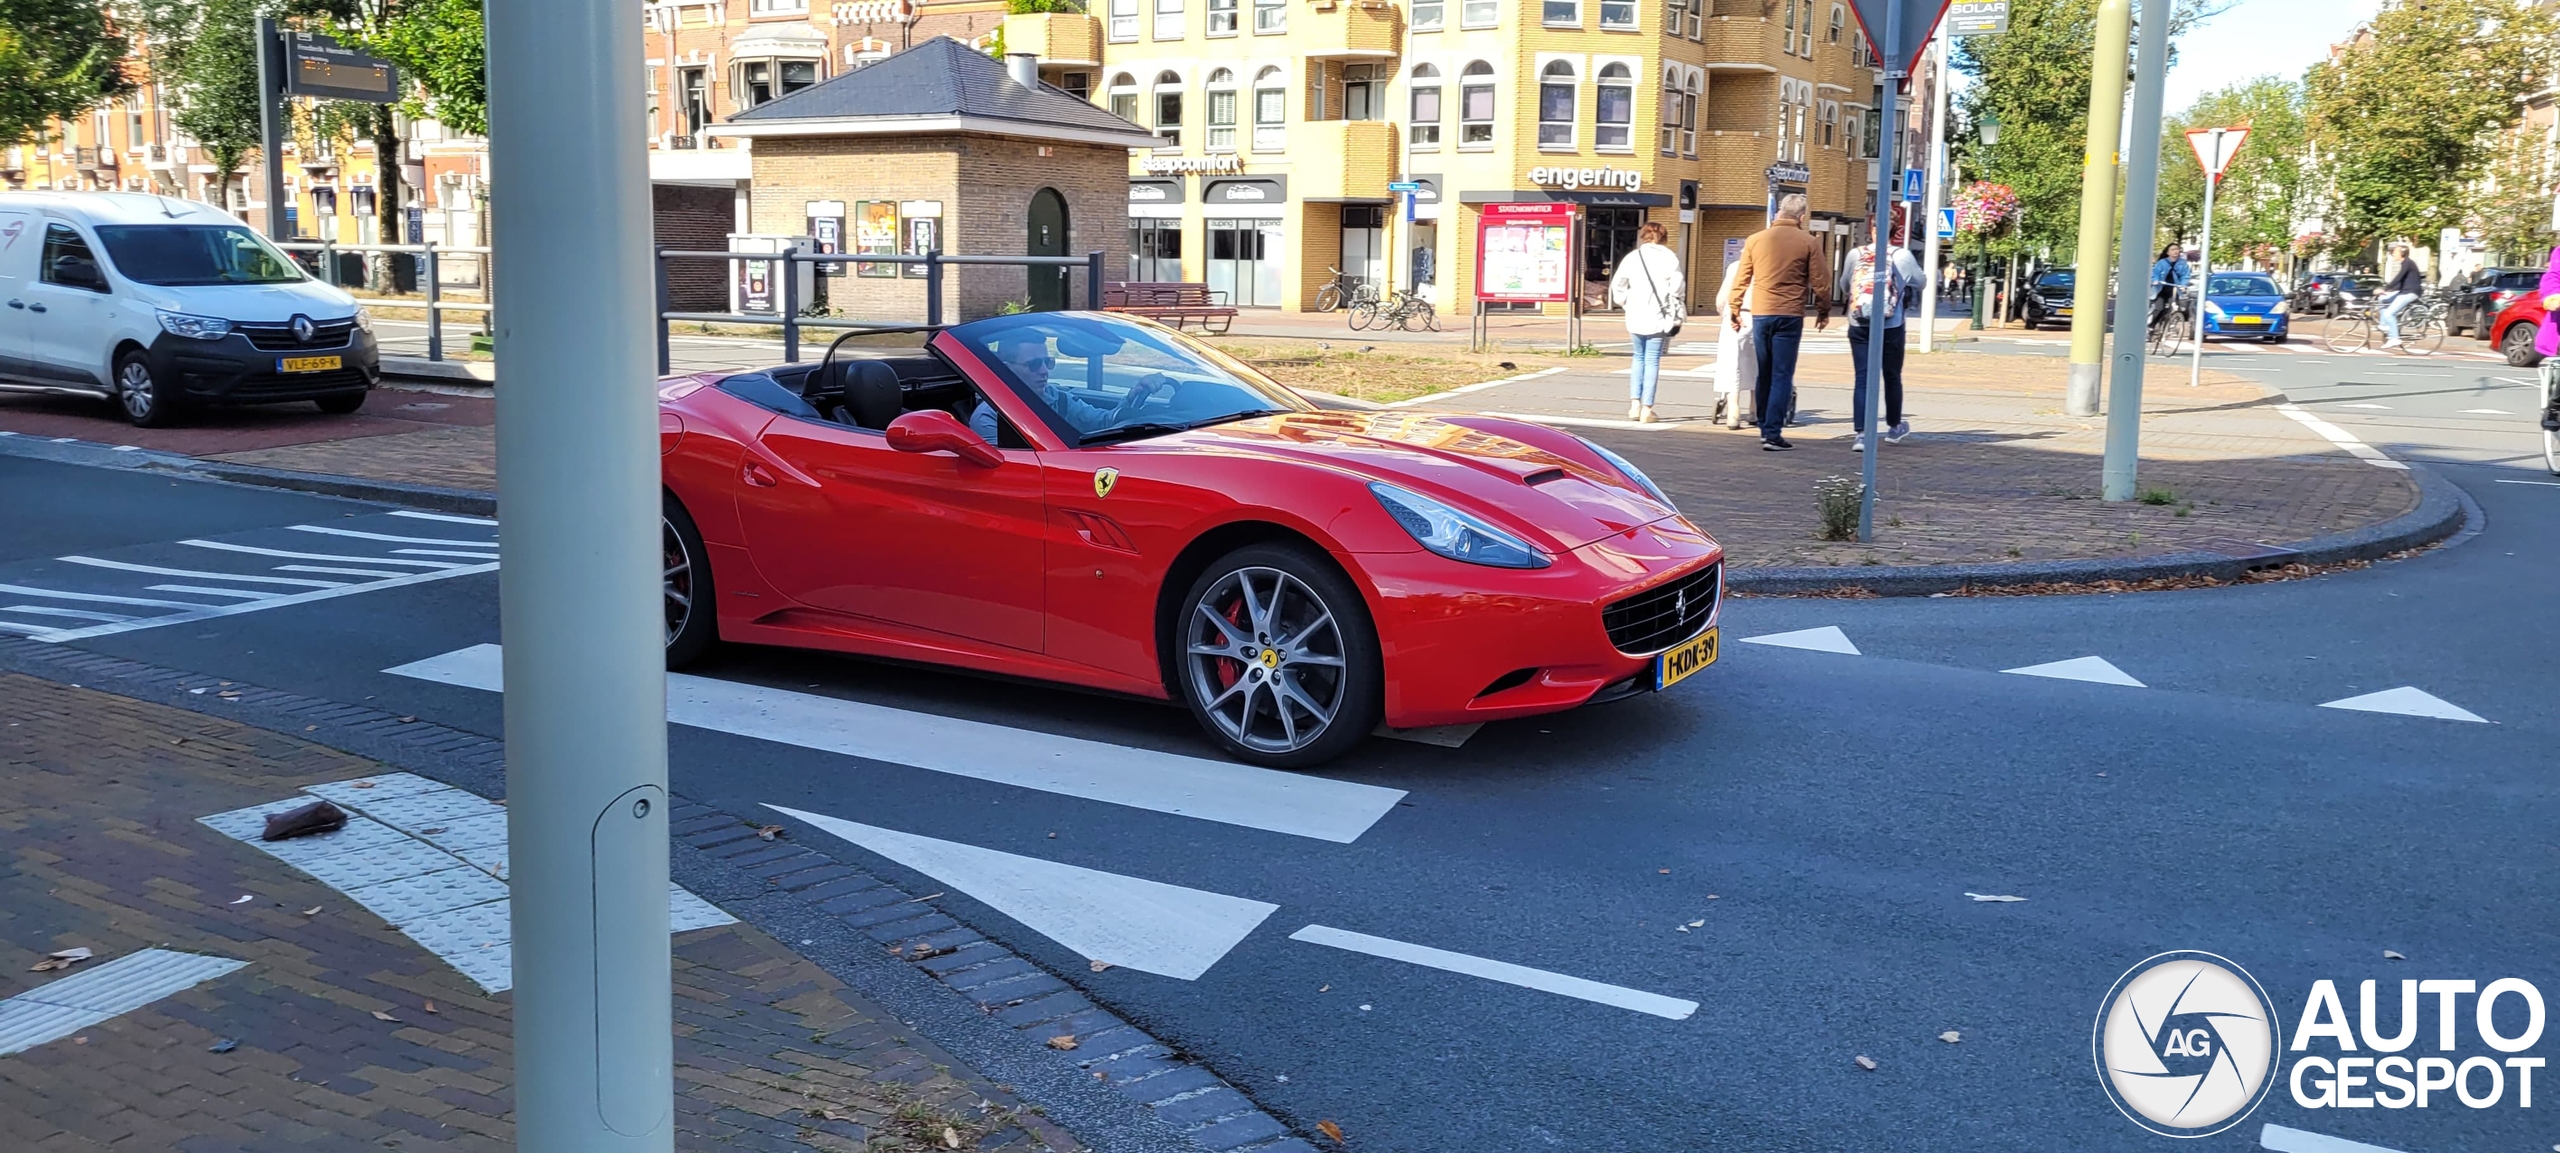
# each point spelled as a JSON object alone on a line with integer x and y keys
{"x": 1104, "y": 502}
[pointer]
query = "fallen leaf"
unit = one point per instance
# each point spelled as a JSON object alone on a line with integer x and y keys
{"x": 245, "y": 898}
{"x": 1101, "y": 1075}
{"x": 379, "y": 1015}
{"x": 1364, "y": 1008}
{"x": 80, "y": 1040}
{"x": 224, "y": 1045}
{"x": 1331, "y": 1130}
{"x": 1951, "y": 1036}
{"x": 950, "y": 1137}
{"x": 1866, "y": 1062}
{"x": 313, "y": 911}
{"x": 431, "y": 1007}
{"x": 1326, "y": 989}
{"x": 1993, "y": 897}
{"x": 1664, "y": 872}
{"x": 1097, "y": 966}
{"x": 1679, "y": 928}
{"x": 1062, "y": 1042}
{"x": 310, "y": 728}
{"x": 825, "y": 1114}
{"x": 768, "y": 832}
{"x": 61, "y": 960}
{"x": 1053, "y": 836}
{"x": 408, "y": 720}
{"x": 364, "y": 784}
{"x": 1698, "y": 924}
{"x": 2388, "y": 955}
{"x": 431, "y": 832}
{"x": 1714, "y": 897}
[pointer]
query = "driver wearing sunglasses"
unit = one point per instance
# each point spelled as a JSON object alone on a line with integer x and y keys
{"x": 1027, "y": 357}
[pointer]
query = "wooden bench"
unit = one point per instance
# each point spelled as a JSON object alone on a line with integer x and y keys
{"x": 1170, "y": 302}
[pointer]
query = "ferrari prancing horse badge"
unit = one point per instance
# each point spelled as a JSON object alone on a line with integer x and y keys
{"x": 1103, "y": 480}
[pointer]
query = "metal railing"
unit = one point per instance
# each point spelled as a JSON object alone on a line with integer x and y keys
{"x": 431, "y": 272}
{"x": 788, "y": 317}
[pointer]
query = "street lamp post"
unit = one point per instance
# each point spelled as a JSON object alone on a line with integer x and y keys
{"x": 1989, "y": 131}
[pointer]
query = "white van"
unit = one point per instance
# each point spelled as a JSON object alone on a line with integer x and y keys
{"x": 163, "y": 305}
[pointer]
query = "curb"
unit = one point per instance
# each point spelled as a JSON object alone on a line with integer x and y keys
{"x": 2440, "y": 514}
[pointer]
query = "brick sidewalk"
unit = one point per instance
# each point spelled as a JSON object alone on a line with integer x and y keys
{"x": 100, "y": 828}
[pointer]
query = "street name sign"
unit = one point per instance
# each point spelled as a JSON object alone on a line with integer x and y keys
{"x": 1404, "y": 186}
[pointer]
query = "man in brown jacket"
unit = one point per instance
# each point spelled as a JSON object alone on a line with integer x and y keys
{"x": 1781, "y": 269}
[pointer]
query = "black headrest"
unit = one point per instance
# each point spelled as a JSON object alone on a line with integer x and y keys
{"x": 872, "y": 397}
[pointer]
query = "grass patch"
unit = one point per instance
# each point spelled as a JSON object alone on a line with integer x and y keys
{"x": 1384, "y": 373}
{"x": 2158, "y": 497}
{"x": 1836, "y": 497}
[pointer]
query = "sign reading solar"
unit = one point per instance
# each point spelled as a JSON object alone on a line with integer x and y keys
{"x": 319, "y": 66}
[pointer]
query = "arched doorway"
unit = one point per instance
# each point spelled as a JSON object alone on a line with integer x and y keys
{"x": 1048, "y": 285}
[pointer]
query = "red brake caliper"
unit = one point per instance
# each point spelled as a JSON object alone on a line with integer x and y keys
{"x": 1229, "y": 668}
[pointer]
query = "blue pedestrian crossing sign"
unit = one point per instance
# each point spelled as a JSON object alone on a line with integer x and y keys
{"x": 1911, "y": 179}
{"x": 1946, "y": 224}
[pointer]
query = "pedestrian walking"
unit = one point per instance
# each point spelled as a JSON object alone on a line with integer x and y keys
{"x": 1902, "y": 276}
{"x": 2399, "y": 292}
{"x": 1651, "y": 294}
{"x": 1781, "y": 277}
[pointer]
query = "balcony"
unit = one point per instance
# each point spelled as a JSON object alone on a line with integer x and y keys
{"x": 1735, "y": 166}
{"x": 1751, "y": 42}
{"x": 157, "y": 156}
{"x": 1348, "y": 29}
{"x": 1342, "y": 159}
{"x": 85, "y": 159}
{"x": 1073, "y": 38}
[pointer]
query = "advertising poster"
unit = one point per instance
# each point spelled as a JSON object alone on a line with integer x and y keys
{"x": 1524, "y": 252}
{"x": 875, "y": 233}
{"x": 924, "y": 234}
{"x": 826, "y": 232}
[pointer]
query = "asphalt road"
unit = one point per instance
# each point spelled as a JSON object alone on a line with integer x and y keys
{"x": 1788, "y": 840}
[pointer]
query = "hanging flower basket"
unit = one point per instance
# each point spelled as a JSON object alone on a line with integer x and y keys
{"x": 1983, "y": 208}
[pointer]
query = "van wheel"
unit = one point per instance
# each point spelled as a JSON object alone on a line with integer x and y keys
{"x": 144, "y": 403}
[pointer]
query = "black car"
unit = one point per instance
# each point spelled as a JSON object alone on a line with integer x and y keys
{"x": 2478, "y": 301}
{"x": 2048, "y": 299}
{"x": 2328, "y": 293}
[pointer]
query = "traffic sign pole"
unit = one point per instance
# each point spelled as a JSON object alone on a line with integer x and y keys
{"x": 1937, "y": 197}
{"x": 2204, "y": 278}
{"x": 1880, "y": 268}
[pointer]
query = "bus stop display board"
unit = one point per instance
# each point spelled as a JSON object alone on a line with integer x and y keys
{"x": 1524, "y": 252}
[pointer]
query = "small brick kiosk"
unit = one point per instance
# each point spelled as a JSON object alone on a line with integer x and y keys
{"x": 941, "y": 146}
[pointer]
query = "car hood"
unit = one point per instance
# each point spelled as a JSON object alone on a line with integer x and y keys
{"x": 2248, "y": 303}
{"x": 1560, "y": 502}
{"x": 253, "y": 303}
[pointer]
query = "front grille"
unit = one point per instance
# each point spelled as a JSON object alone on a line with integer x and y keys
{"x": 1664, "y": 615}
{"x": 279, "y": 337}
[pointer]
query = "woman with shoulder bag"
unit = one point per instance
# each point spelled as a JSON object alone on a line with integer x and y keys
{"x": 1649, "y": 291}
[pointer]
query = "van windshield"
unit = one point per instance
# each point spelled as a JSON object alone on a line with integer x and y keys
{"x": 186, "y": 254}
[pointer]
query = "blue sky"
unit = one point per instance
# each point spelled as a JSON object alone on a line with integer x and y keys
{"x": 2256, "y": 37}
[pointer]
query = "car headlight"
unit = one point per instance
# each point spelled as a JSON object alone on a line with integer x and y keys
{"x": 1454, "y": 534}
{"x": 2282, "y": 307}
{"x": 364, "y": 318}
{"x": 1631, "y": 472}
{"x": 196, "y": 327}
{"x": 2213, "y": 310}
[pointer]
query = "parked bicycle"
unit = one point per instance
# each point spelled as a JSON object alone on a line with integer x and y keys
{"x": 1343, "y": 288}
{"x": 1402, "y": 309}
{"x": 2359, "y": 327}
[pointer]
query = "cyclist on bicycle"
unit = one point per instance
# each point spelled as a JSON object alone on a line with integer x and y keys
{"x": 2169, "y": 274}
{"x": 2399, "y": 293}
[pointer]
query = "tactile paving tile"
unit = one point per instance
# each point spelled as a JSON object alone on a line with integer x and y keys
{"x": 407, "y": 857}
{"x": 686, "y": 912}
{"x": 490, "y": 859}
{"x": 375, "y": 788}
{"x": 410, "y": 898}
{"x": 120, "y": 986}
{"x": 474, "y": 939}
{"x": 467, "y": 833}
{"x": 358, "y": 834}
{"x": 440, "y": 808}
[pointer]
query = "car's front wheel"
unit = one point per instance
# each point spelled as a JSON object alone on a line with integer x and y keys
{"x": 692, "y": 627}
{"x": 1277, "y": 657}
{"x": 139, "y": 393}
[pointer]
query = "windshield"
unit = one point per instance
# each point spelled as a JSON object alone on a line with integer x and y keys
{"x": 2054, "y": 280}
{"x": 1100, "y": 379}
{"x": 183, "y": 254}
{"x": 2243, "y": 284}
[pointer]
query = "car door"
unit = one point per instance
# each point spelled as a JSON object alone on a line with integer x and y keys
{"x": 21, "y": 237}
{"x": 67, "y": 323}
{"x": 838, "y": 520}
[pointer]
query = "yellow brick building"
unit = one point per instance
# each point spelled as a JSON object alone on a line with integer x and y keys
{"x": 1285, "y": 120}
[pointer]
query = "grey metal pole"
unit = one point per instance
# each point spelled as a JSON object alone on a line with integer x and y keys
{"x": 270, "y": 123}
{"x": 435, "y": 316}
{"x": 580, "y": 604}
{"x": 659, "y": 322}
{"x": 2133, "y": 254}
{"x": 933, "y": 287}
{"x": 1888, "y": 105}
{"x": 790, "y": 306}
{"x": 1937, "y": 196}
{"x": 1093, "y": 280}
{"x": 2204, "y": 270}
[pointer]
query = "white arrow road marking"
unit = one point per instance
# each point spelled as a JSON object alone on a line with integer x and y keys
{"x": 2408, "y": 702}
{"x": 1299, "y": 804}
{"x": 2095, "y": 670}
{"x": 2283, "y": 1140}
{"x": 1827, "y": 639}
{"x": 1131, "y": 922}
{"x": 1543, "y": 981}
{"x": 2486, "y": 412}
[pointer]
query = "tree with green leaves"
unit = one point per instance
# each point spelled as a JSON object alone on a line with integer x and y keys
{"x": 2266, "y": 189}
{"x": 2405, "y": 118}
{"x": 205, "y": 53}
{"x": 58, "y": 59}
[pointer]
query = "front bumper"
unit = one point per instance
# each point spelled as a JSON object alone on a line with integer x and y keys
{"x": 1464, "y": 643}
{"x": 233, "y": 371}
{"x": 2240, "y": 326}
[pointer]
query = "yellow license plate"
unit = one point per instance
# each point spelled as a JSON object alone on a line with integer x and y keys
{"x": 1672, "y": 667}
{"x": 2062, "y": 312}
{"x": 308, "y": 364}
{"x": 2248, "y": 320}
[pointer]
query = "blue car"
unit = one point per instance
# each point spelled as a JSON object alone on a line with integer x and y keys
{"x": 2245, "y": 304}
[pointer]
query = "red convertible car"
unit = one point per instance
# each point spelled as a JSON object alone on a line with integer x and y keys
{"x": 1101, "y": 501}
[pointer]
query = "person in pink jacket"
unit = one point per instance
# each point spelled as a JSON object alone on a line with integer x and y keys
{"x": 2546, "y": 340}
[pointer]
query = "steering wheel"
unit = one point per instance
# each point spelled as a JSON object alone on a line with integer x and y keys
{"x": 1147, "y": 388}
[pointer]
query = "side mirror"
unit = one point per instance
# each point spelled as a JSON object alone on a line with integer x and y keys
{"x": 933, "y": 430}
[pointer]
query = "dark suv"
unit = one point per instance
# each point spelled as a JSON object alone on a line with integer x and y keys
{"x": 2049, "y": 298}
{"x": 2484, "y": 296}
{"x": 2327, "y": 293}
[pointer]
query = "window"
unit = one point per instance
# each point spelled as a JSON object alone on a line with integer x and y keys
{"x": 1617, "y": 13}
{"x": 1317, "y": 72}
{"x": 1561, "y": 13}
{"x": 1363, "y": 93}
{"x": 1791, "y": 26}
{"x": 1671, "y": 110}
{"x": 1806, "y": 48}
{"x": 62, "y": 243}
{"x": 1077, "y": 84}
{"x": 1168, "y": 20}
{"x": 1873, "y": 134}
{"x": 1857, "y": 135}
{"x": 1475, "y": 104}
{"x": 1798, "y": 155}
{"x": 1617, "y": 107}
{"x": 777, "y": 7}
{"x": 1124, "y": 21}
{"x": 757, "y": 76}
{"x": 1425, "y": 16}
{"x": 696, "y": 83}
{"x": 1124, "y": 97}
{"x": 1222, "y": 111}
{"x": 134, "y": 133}
{"x": 1555, "y": 105}
{"x": 1860, "y": 54}
{"x": 1270, "y": 16}
{"x": 1479, "y": 13}
{"x": 1269, "y": 99}
{"x": 1839, "y": 20}
{"x": 1830, "y": 124}
{"x": 1425, "y": 111}
{"x": 1169, "y": 109}
{"x": 764, "y": 80}
{"x": 1693, "y": 89}
{"x": 1222, "y": 17}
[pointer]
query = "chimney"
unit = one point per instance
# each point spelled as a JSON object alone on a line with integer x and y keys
{"x": 1024, "y": 67}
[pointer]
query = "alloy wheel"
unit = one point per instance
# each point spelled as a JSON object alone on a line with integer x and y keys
{"x": 1266, "y": 660}
{"x": 134, "y": 389}
{"x": 677, "y": 579}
